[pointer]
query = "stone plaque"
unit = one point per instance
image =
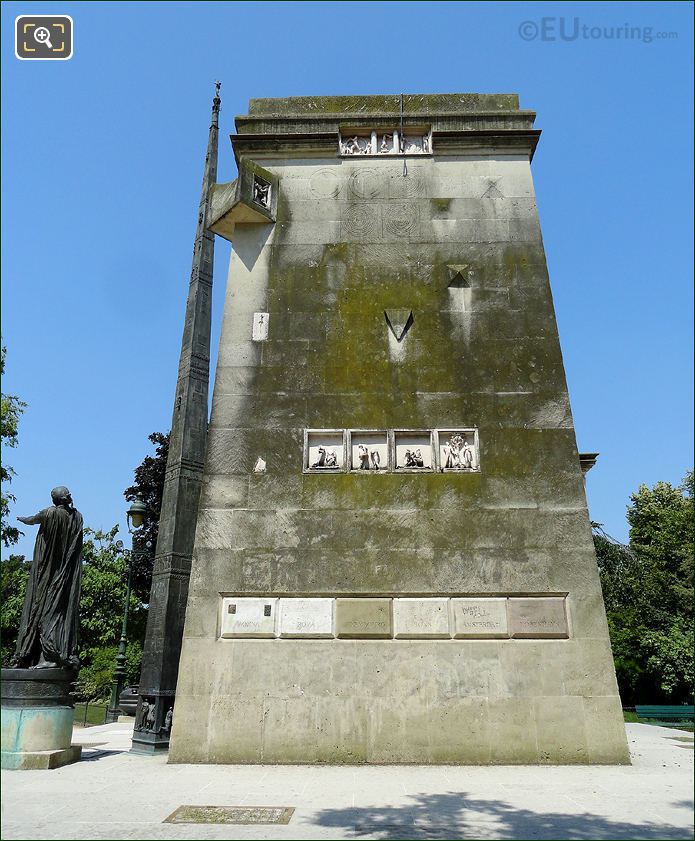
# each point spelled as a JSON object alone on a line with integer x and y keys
{"x": 363, "y": 618}
{"x": 421, "y": 618}
{"x": 479, "y": 618}
{"x": 544, "y": 618}
{"x": 245, "y": 617}
{"x": 260, "y": 326}
{"x": 369, "y": 451}
{"x": 306, "y": 618}
{"x": 324, "y": 450}
{"x": 413, "y": 450}
{"x": 231, "y": 814}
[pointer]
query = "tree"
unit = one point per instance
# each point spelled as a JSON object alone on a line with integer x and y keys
{"x": 648, "y": 592}
{"x": 15, "y": 574}
{"x": 104, "y": 577}
{"x": 149, "y": 487}
{"x": 104, "y": 581}
{"x": 11, "y": 408}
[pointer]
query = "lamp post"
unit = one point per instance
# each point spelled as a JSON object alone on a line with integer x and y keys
{"x": 135, "y": 517}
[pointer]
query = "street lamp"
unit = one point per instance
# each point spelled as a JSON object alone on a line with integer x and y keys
{"x": 135, "y": 517}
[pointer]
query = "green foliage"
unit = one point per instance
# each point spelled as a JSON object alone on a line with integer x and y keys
{"x": 149, "y": 487}
{"x": 104, "y": 577}
{"x": 96, "y": 676}
{"x": 11, "y": 408}
{"x": 648, "y": 591}
{"x": 15, "y": 574}
{"x": 104, "y": 583}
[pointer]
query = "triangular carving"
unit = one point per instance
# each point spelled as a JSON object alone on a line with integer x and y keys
{"x": 492, "y": 191}
{"x": 458, "y": 276}
{"x": 399, "y": 322}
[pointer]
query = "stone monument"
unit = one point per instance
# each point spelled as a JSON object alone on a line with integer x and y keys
{"x": 37, "y": 704}
{"x": 182, "y": 480}
{"x": 393, "y": 559}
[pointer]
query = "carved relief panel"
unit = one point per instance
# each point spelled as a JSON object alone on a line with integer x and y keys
{"x": 368, "y": 451}
{"x": 458, "y": 450}
{"x": 413, "y": 450}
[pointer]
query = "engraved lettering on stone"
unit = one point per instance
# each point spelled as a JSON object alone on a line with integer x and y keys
{"x": 543, "y": 617}
{"x": 306, "y": 618}
{"x": 367, "y": 617}
{"x": 253, "y": 617}
{"x": 260, "y": 326}
{"x": 479, "y": 618}
{"x": 421, "y": 618}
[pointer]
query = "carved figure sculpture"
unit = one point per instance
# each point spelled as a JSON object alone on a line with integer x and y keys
{"x": 321, "y": 462}
{"x": 48, "y": 627}
{"x": 168, "y": 719}
{"x": 363, "y": 454}
{"x": 151, "y": 712}
{"x": 331, "y": 458}
{"x": 261, "y": 192}
{"x": 376, "y": 459}
{"x": 467, "y": 456}
{"x": 141, "y": 715}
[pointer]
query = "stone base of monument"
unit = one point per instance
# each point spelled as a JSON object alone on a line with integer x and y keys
{"x": 37, "y": 719}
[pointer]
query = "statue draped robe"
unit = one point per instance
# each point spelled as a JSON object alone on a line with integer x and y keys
{"x": 50, "y": 617}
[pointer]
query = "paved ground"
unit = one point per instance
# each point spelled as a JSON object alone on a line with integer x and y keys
{"x": 115, "y": 794}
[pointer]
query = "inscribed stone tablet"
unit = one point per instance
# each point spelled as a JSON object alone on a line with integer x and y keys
{"x": 421, "y": 618}
{"x": 363, "y": 618}
{"x": 244, "y": 617}
{"x": 306, "y": 617}
{"x": 480, "y": 618}
{"x": 260, "y": 326}
{"x": 543, "y": 618}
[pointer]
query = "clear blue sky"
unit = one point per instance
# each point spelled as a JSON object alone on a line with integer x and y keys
{"x": 102, "y": 165}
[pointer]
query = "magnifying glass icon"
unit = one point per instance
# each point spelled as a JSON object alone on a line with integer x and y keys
{"x": 43, "y": 36}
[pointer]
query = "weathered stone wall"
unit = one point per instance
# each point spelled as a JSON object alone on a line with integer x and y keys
{"x": 353, "y": 238}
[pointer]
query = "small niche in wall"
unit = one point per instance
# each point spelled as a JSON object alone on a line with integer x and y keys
{"x": 324, "y": 451}
{"x": 369, "y": 451}
{"x": 458, "y": 450}
{"x": 413, "y": 450}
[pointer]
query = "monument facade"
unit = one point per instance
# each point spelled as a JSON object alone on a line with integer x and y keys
{"x": 393, "y": 559}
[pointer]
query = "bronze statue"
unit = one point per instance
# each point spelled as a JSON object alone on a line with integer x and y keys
{"x": 48, "y": 628}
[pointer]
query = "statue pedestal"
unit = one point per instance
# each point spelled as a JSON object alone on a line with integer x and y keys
{"x": 37, "y": 718}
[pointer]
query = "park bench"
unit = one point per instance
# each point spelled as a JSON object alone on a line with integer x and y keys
{"x": 666, "y": 714}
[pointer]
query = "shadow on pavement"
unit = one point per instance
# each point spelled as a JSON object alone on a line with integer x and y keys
{"x": 452, "y": 816}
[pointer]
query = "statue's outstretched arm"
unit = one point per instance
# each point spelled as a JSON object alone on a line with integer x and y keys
{"x": 32, "y": 521}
